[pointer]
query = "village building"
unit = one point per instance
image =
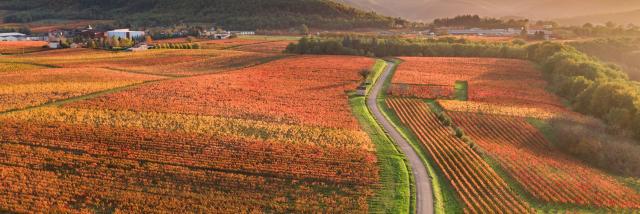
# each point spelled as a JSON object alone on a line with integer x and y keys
{"x": 139, "y": 47}
{"x": 243, "y": 33}
{"x": 91, "y": 33}
{"x": 126, "y": 34}
{"x": 53, "y": 45}
{"x": 12, "y": 36}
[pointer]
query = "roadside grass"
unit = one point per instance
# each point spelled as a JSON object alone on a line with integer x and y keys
{"x": 446, "y": 200}
{"x": 394, "y": 193}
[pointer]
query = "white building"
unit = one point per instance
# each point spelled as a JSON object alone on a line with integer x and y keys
{"x": 12, "y": 36}
{"x": 54, "y": 45}
{"x": 243, "y": 33}
{"x": 125, "y": 34}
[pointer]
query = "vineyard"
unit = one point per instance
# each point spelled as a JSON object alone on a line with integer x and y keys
{"x": 21, "y": 89}
{"x": 477, "y": 184}
{"x": 21, "y": 47}
{"x": 156, "y": 62}
{"x": 503, "y": 95}
{"x": 265, "y": 47}
{"x": 524, "y": 152}
{"x": 495, "y": 81}
{"x": 284, "y": 91}
{"x": 273, "y": 138}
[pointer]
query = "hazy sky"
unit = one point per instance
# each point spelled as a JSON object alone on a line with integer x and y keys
{"x": 537, "y": 9}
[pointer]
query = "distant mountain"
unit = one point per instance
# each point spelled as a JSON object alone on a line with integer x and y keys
{"x": 235, "y": 14}
{"x": 624, "y": 18}
{"x": 537, "y": 9}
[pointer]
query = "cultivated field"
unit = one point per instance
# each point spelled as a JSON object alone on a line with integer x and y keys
{"x": 277, "y": 138}
{"x": 475, "y": 182}
{"x": 156, "y": 62}
{"x": 504, "y": 95}
{"x": 20, "y": 47}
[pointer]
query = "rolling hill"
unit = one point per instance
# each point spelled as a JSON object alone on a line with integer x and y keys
{"x": 537, "y": 9}
{"x": 236, "y": 14}
{"x": 630, "y": 17}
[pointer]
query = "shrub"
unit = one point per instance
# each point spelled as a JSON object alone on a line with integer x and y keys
{"x": 592, "y": 144}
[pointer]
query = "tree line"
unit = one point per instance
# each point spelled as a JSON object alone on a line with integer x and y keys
{"x": 395, "y": 46}
{"x": 623, "y": 51}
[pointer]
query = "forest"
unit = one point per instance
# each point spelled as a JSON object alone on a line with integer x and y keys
{"x": 623, "y": 52}
{"x": 232, "y": 14}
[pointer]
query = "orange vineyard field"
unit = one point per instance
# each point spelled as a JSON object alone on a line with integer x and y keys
{"x": 230, "y": 142}
{"x": 475, "y": 182}
{"x": 503, "y": 96}
{"x": 497, "y": 81}
{"x": 20, "y": 89}
{"x": 21, "y": 47}
{"x": 285, "y": 91}
{"x": 266, "y": 47}
{"x": 547, "y": 174}
{"x": 157, "y": 62}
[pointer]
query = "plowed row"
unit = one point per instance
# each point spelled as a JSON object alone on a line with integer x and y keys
{"x": 545, "y": 173}
{"x": 479, "y": 187}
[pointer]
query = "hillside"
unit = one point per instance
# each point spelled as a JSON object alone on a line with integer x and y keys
{"x": 539, "y": 9}
{"x": 629, "y": 17}
{"x": 236, "y": 14}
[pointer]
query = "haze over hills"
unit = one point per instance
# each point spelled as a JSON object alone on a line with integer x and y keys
{"x": 623, "y": 18}
{"x": 237, "y": 14}
{"x": 536, "y": 9}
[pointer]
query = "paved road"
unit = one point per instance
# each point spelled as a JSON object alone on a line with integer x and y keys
{"x": 424, "y": 193}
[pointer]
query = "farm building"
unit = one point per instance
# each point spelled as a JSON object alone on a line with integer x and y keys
{"x": 54, "y": 45}
{"x": 12, "y": 36}
{"x": 91, "y": 33}
{"x": 125, "y": 34}
{"x": 243, "y": 33}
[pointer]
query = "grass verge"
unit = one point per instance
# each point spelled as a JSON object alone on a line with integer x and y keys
{"x": 393, "y": 195}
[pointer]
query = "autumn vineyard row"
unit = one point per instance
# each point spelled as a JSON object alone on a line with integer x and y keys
{"x": 477, "y": 184}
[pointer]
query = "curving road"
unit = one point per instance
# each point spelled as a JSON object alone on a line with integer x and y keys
{"x": 424, "y": 193}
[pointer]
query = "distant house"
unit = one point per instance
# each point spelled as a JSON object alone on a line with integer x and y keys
{"x": 12, "y": 36}
{"x": 58, "y": 33}
{"x": 214, "y": 34}
{"x": 126, "y": 34}
{"x": 139, "y": 47}
{"x": 91, "y": 33}
{"x": 54, "y": 45}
